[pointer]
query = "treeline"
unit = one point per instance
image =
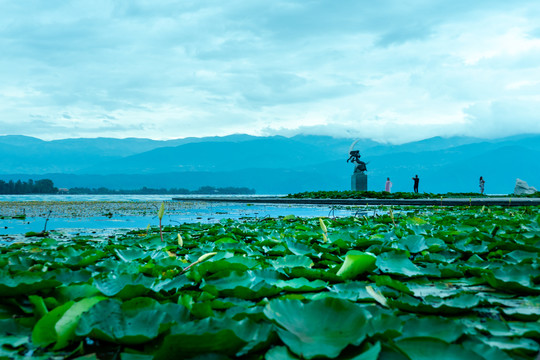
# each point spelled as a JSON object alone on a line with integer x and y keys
{"x": 11, "y": 187}
{"x": 46, "y": 186}
{"x": 204, "y": 190}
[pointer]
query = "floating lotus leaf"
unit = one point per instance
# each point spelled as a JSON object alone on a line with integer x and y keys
{"x": 399, "y": 264}
{"x": 134, "y": 322}
{"x": 413, "y": 243}
{"x": 507, "y": 343}
{"x": 25, "y": 283}
{"x": 125, "y": 286}
{"x": 301, "y": 285}
{"x": 292, "y": 261}
{"x": 371, "y": 354}
{"x": 385, "y": 280}
{"x": 447, "y": 330}
{"x": 429, "y": 349}
{"x": 511, "y": 279}
{"x": 356, "y": 263}
{"x": 434, "y": 305}
{"x": 245, "y": 285}
{"x": 66, "y": 325}
{"x": 320, "y": 327}
{"x": 238, "y": 263}
{"x": 210, "y": 335}
{"x": 485, "y": 351}
{"x": 298, "y": 248}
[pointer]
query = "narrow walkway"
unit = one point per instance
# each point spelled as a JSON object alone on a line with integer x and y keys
{"x": 500, "y": 201}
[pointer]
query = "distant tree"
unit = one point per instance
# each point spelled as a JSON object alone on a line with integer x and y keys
{"x": 44, "y": 186}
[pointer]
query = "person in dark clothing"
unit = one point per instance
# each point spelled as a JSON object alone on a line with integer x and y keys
{"x": 416, "y": 180}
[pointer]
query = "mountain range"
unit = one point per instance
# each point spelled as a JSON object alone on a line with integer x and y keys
{"x": 273, "y": 165}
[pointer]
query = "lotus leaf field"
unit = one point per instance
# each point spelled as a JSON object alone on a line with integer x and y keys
{"x": 409, "y": 283}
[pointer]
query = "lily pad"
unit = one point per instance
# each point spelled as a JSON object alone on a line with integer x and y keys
{"x": 319, "y": 328}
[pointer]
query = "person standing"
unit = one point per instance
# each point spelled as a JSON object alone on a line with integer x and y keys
{"x": 388, "y": 185}
{"x": 482, "y": 182}
{"x": 416, "y": 180}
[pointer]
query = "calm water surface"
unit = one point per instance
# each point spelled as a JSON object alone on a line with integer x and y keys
{"x": 176, "y": 213}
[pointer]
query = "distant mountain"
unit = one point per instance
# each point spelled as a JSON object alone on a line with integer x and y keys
{"x": 28, "y": 155}
{"x": 273, "y": 164}
{"x": 265, "y": 153}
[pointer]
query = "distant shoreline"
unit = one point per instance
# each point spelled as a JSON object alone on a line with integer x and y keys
{"x": 488, "y": 201}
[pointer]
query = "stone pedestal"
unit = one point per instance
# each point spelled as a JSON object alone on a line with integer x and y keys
{"x": 359, "y": 181}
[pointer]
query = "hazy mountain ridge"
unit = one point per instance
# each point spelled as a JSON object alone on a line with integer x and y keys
{"x": 273, "y": 164}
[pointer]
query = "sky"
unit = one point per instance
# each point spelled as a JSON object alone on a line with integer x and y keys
{"x": 392, "y": 71}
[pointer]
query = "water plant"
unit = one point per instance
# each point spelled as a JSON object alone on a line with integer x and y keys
{"x": 445, "y": 283}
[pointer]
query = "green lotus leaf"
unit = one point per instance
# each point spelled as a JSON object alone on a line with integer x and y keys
{"x": 135, "y": 356}
{"x": 385, "y": 280}
{"x": 371, "y": 354}
{"x": 429, "y": 348}
{"x": 298, "y": 248}
{"x": 447, "y": 330}
{"x": 422, "y": 289}
{"x": 351, "y": 290}
{"x": 211, "y": 335}
{"x": 467, "y": 247}
{"x": 292, "y": 261}
{"x": 506, "y": 343}
{"x": 131, "y": 254}
{"x": 67, "y": 276}
{"x": 91, "y": 256}
{"x": 76, "y": 292}
{"x": 301, "y": 285}
{"x": 13, "y": 334}
{"x": 506, "y": 329}
{"x": 399, "y": 264}
{"x": 384, "y": 324}
{"x": 124, "y": 286}
{"x": 174, "y": 284}
{"x": 529, "y": 312}
{"x": 435, "y": 245}
{"x": 250, "y": 284}
{"x": 314, "y": 274}
{"x": 44, "y": 332}
{"x": 133, "y": 322}
{"x": 413, "y": 243}
{"x": 451, "y": 271}
{"x": 485, "y": 351}
{"x": 319, "y": 328}
{"x": 527, "y": 329}
{"x": 356, "y": 263}
{"x": 511, "y": 279}
{"x": 520, "y": 256}
{"x": 25, "y": 283}
{"x": 238, "y": 263}
{"x": 279, "y": 353}
{"x": 66, "y": 325}
{"x": 434, "y": 305}
{"x": 40, "y": 309}
{"x": 80, "y": 257}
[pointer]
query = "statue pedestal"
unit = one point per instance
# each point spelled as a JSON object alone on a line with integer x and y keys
{"x": 359, "y": 182}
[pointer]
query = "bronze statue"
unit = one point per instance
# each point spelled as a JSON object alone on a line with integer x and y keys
{"x": 355, "y": 158}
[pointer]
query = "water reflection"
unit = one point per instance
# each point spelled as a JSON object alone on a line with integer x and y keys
{"x": 87, "y": 220}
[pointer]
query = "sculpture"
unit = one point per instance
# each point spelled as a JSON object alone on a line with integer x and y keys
{"x": 359, "y": 177}
{"x": 355, "y": 158}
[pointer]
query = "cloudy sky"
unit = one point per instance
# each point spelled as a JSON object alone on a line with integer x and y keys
{"x": 388, "y": 70}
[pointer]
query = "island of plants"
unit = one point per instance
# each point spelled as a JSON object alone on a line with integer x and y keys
{"x": 430, "y": 283}
{"x": 349, "y": 194}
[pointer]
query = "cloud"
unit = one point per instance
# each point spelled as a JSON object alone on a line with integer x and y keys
{"x": 387, "y": 70}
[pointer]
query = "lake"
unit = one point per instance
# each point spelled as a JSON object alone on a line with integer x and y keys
{"x": 89, "y": 213}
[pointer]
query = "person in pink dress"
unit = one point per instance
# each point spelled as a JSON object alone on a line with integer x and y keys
{"x": 388, "y": 185}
